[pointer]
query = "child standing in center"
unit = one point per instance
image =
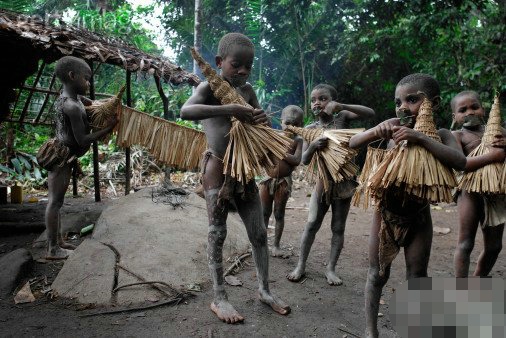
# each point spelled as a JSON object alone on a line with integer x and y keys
{"x": 278, "y": 186}
{"x": 331, "y": 115}
{"x": 235, "y": 59}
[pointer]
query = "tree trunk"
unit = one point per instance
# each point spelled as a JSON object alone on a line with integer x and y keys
{"x": 197, "y": 35}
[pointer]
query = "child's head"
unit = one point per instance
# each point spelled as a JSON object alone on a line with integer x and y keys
{"x": 74, "y": 73}
{"x": 235, "y": 58}
{"x": 292, "y": 116}
{"x": 410, "y": 92}
{"x": 321, "y": 95}
{"x": 467, "y": 109}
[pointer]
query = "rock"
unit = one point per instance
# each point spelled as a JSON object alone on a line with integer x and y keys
{"x": 441, "y": 231}
{"x": 14, "y": 267}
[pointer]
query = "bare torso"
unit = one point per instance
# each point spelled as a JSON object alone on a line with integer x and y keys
{"x": 469, "y": 139}
{"x": 64, "y": 130}
{"x": 217, "y": 129}
{"x": 283, "y": 168}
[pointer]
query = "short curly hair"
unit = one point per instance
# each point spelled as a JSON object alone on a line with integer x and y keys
{"x": 425, "y": 82}
{"x": 331, "y": 89}
{"x": 233, "y": 39}
{"x": 67, "y": 64}
{"x": 464, "y": 93}
{"x": 295, "y": 110}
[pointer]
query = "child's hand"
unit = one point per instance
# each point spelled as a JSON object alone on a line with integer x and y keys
{"x": 499, "y": 142}
{"x": 112, "y": 122}
{"x": 333, "y": 107}
{"x": 242, "y": 113}
{"x": 260, "y": 117}
{"x": 320, "y": 142}
{"x": 497, "y": 154}
{"x": 405, "y": 133}
{"x": 385, "y": 129}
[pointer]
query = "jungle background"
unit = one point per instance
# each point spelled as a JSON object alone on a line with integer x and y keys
{"x": 361, "y": 47}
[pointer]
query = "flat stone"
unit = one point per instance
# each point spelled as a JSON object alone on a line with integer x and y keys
{"x": 154, "y": 241}
{"x": 88, "y": 274}
{"x": 14, "y": 266}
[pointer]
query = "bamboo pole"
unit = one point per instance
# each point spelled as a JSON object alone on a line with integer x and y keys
{"x": 96, "y": 173}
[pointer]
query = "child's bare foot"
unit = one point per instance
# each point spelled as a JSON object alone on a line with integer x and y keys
{"x": 296, "y": 275}
{"x": 226, "y": 312}
{"x": 57, "y": 253}
{"x": 277, "y": 252}
{"x": 66, "y": 245}
{"x": 332, "y": 278}
{"x": 274, "y": 302}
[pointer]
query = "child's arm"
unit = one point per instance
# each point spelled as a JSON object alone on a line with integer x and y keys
{"x": 352, "y": 111}
{"x": 294, "y": 160}
{"x": 259, "y": 116}
{"x": 86, "y": 101}
{"x": 383, "y": 130}
{"x": 448, "y": 152}
{"x": 197, "y": 107}
{"x": 497, "y": 153}
{"x": 308, "y": 150}
{"x": 80, "y": 129}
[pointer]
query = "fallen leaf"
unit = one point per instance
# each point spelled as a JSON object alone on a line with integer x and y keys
{"x": 382, "y": 302}
{"x": 442, "y": 231}
{"x": 24, "y": 295}
{"x": 233, "y": 280}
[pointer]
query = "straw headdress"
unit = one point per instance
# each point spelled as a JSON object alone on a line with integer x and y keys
{"x": 373, "y": 159}
{"x": 101, "y": 111}
{"x": 333, "y": 163}
{"x": 486, "y": 179}
{"x": 413, "y": 169}
{"x": 251, "y": 147}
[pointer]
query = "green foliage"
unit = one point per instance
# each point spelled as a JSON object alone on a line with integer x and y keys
{"x": 24, "y": 170}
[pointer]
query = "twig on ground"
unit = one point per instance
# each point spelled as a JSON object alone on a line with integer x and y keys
{"x": 236, "y": 263}
{"x": 346, "y": 331}
{"x": 172, "y": 301}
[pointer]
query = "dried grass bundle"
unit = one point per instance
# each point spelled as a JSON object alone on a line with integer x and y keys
{"x": 251, "y": 147}
{"x": 334, "y": 163}
{"x": 486, "y": 179}
{"x": 373, "y": 159}
{"x": 177, "y": 146}
{"x": 101, "y": 111}
{"x": 413, "y": 168}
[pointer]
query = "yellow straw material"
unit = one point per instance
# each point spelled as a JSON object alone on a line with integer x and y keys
{"x": 333, "y": 163}
{"x": 177, "y": 146}
{"x": 251, "y": 147}
{"x": 413, "y": 168}
{"x": 101, "y": 111}
{"x": 487, "y": 179}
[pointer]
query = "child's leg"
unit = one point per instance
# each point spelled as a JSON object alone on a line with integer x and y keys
{"x": 418, "y": 245}
{"x": 375, "y": 282}
{"x": 470, "y": 207}
{"x": 317, "y": 211}
{"x": 280, "y": 199}
{"x": 266, "y": 199}
{"x": 251, "y": 215}
{"x": 492, "y": 242}
{"x": 58, "y": 181}
{"x": 212, "y": 180}
{"x": 340, "y": 209}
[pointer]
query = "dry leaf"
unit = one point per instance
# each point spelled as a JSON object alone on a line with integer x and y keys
{"x": 24, "y": 295}
{"x": 233, "y": 280}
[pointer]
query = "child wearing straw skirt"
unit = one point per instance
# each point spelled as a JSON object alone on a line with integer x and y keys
{"x": 402, "y": 220}
{"x": 235, "y": 58}
{"x": 479, "y": 202}
{"x": 277, "y": 187}
{"x": 331, "y": 115}
{"x": 73, "y": 134}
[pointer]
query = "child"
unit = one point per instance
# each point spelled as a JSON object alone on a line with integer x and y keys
{"x": 235, "y": 58}
{"x": 324, "y": 105}
{"x": 473, "y": 207}
{"x": 73, "y": 131}
{"x": 412, "y": 214}
{"x": 278, "y": 186}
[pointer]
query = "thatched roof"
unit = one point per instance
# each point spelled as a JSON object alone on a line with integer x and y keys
{"x": 49, "y": 42}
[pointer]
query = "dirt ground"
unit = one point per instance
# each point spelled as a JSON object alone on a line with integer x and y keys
{"x": 318, "y": 310}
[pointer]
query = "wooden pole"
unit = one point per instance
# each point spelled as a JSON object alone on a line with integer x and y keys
{"x": 127, "y": 149}
{"x": 30, "y": 94}
{"x": 75, "y": 165}
{"x": 96, "y": 178}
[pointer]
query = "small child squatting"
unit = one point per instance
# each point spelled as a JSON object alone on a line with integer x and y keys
{"x": 412, "y": 218}
{"x": 235, "y": 58}
{"x": 474, "y": 208}
{"x": 73, "y": 130}
{"x": 277, "y": 187}
{"x": 324, "y": 105}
